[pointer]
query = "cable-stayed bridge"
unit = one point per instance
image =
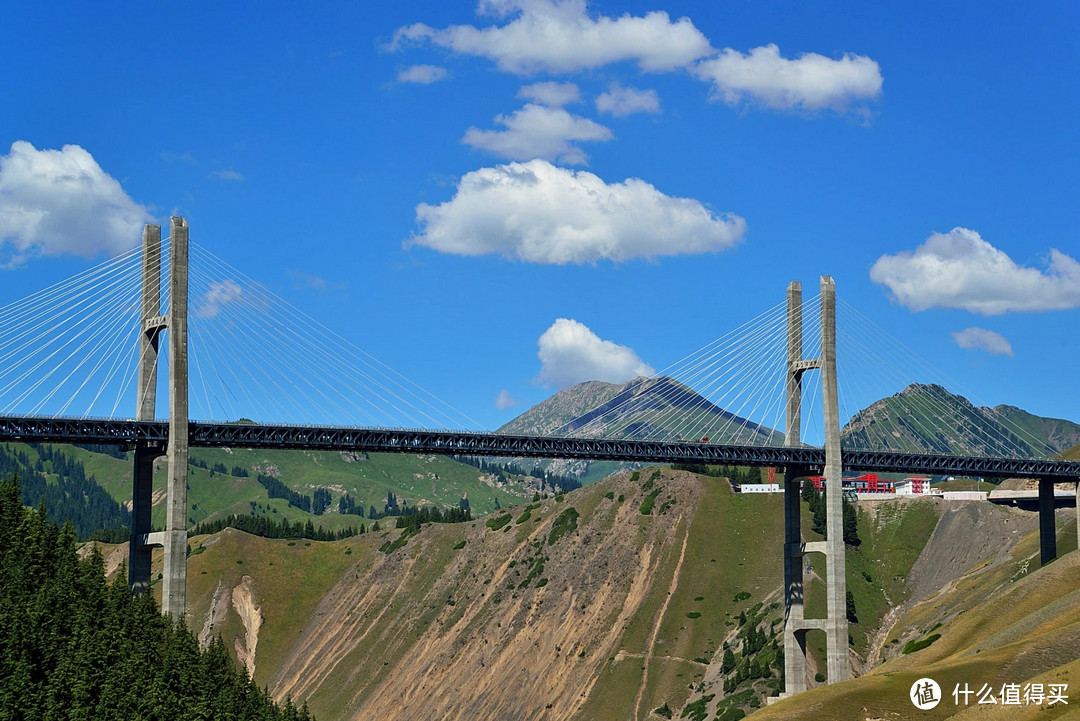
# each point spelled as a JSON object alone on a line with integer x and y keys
{"x": 78, "y": 356}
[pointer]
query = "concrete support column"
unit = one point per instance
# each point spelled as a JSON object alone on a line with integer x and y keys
{"x": 151, "y": 325}
{"x": 1078, "y": 515}
{"x": 836, "y": 625}
{"x": 793, "y": 417}
{"x": 174, "y": 590}
{"x": 794, "y": 632}
{"x": 139, "y": 551}
{"x": 146, "y": 393}
{"x": 1047, "y": 527}
{"x": 794, "y": 636}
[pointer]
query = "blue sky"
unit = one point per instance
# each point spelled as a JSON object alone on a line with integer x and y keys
{"x": 442, "y": 182}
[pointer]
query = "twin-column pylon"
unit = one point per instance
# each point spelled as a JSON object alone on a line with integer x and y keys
{"x": 835, "y": 624}
{"x": 174, "y": 538}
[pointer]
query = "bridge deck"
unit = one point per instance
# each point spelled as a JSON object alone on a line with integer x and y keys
{"x": 382, "y": 440}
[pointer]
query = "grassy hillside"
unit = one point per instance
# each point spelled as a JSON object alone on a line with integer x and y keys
{"x": 623, "y": 609}
{"x": 415, "y": 479}
{"x": 1003, "y": 620}
{"x": 620, "y": 599}
{"x": 1055, "y": 433}
{"x": 540, "y": 597}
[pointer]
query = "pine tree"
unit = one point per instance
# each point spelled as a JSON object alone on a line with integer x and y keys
{"x": 728, "y": 663}
{"x": 851, "y": 525}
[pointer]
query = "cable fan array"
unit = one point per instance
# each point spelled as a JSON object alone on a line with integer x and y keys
{"x": 884, "y": 409}
{"x": 73, "y": 350}
{"x": 255, "y": 356}
{"x": 733, "y": 391}
{"x": 67, "y": 350}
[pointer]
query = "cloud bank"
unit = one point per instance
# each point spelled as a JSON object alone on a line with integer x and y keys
{"x": 620, "y": 101}
{"x": 570, "y": 353}
{"x": 559, "y": 36}
{"x": 539, "y": 213}
{"x": 422, "y": 74}
{"x": 959, "y": 269}
{"x": 537, "y": 131}
{"x": 810, "y": 82}
{"x": 982, "y": 339}
{"x": 60, "y": 202}
{"x": 220, "y": 294}
{"x": 552, "y": 94}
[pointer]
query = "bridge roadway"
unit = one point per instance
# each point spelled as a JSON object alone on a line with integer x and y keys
{"x": 391, "y": 440}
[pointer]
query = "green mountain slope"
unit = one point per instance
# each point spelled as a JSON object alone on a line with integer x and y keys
{"x": 625, "y": 604}
{"x": 415, "y": 480}
{"x": 1001, "y": 621}
{"x": 927, "y": 418}
{"x": 585, "y": 586}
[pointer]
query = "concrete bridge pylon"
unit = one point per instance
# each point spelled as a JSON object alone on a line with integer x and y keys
{"x": 835, "y": 623}
{"x": 153, "y": 323}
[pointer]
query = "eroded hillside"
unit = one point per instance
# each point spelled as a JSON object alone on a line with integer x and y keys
{"x": 557, "y": 609}
{"x": 981, "y": 612}
{"x": 613, "y": 602}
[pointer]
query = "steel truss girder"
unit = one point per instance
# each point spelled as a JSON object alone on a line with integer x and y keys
{"x": 391, "y": 440}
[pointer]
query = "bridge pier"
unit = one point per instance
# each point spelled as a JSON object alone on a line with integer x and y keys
{"x": 1047, "y": 525}
{"x": 836, "y": 625}
{"x": 174, "y": 587}
{"x": 796, "y": 624}
{"x": 174, "y": 539}
{"x": 140, "y": 547}
{"x": 795, "y": 671}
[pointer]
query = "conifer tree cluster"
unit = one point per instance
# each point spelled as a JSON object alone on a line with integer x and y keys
{"x": 431, "y": 514}
{"x": 72, "y": 646}
{"x": 269, "y": 528}
{"x": 500, "y": 468}
{"x": 277, "y": 489}
{"x": 69, "y": 494}
{"x": 736, "y": 474}
{"x": 816, "y": 501}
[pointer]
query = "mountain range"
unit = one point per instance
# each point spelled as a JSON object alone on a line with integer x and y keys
{"x": 926, "y": 418}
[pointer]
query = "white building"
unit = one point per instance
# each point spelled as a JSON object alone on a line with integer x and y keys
{"x": 759, "y": 488}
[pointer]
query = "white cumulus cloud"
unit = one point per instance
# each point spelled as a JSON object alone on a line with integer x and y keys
{"x": 504, "y": 400}
{"x": 571, "y": 353}
{"x": 809, "y": 82}
{"x": 620, "y": 101}
{"x": 982, "y": 339}
{"x": 539, "y": 213}
{"x": 560, "y": 36}
{"x": 60, "y": 202}
{"x": 552, "y": 94}
{"x": 220, "y": 294}
{"x": 422, "y": 74}
{"x": 959, "y": 269}
{"x": 536, "y": 131}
